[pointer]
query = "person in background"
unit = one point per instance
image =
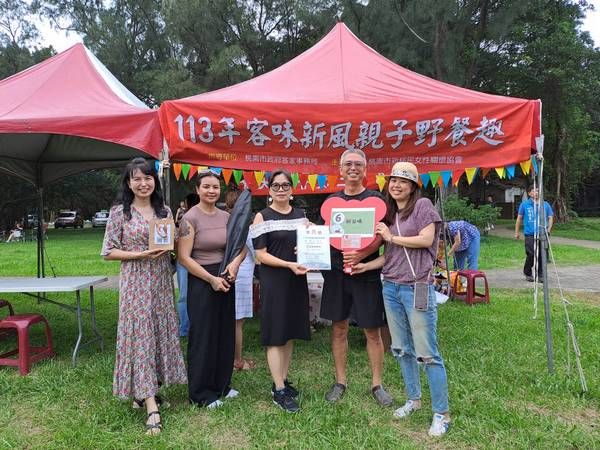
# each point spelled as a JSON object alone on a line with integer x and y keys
{"x": 410, "y": 231}
{"x": 182, "y": 276}
{"x": 529, "y": 216}
{"x": 148, "y": 352}
{"x": 16, "y": 232}
{"x": 283, "y": 286}
{"x": 183, "y": 207}
{"x": 360, "y": 293}
{"x": 243, "y": 292}
{"x": 211, "y": 297}
{"x": 465, "y": 244}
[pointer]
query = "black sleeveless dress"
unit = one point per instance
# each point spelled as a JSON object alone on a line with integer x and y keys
{"x": 283, "y": 294}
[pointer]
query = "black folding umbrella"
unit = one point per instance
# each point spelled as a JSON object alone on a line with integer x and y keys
{"x": 237, "y": 228}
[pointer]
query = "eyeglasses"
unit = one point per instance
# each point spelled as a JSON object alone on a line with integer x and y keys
{"x": 281, "y": 186}
{"x": 357, "y": 164}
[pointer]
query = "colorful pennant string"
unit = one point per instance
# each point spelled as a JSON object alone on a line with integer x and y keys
{"x": 525, "y": 166}
{"x": 237, "y": 175}
{"x": 500, "y": 171}
{"x": 425, "y": 178}
{"x": 510, "y": 171}
{"x": 380, "y": 180}
{"x": 434, "y": 175}
{"x": 312, "y": 181}
{"x": 259, "y": 175}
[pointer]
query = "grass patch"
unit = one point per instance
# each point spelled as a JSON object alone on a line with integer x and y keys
{"x": 70, "y": 252}
{"x": 586, "y": 228}
{"x": 502, "y": 253}
{"x": 500, "y": 393}
{"x": 77, "y": 252}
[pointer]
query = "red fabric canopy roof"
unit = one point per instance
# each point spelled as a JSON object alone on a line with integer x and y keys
{"x": 341, "y": 94}
{"x": 69, "y": 114}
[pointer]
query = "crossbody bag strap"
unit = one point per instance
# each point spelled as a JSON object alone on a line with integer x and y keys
{"x": 405, "y": 251}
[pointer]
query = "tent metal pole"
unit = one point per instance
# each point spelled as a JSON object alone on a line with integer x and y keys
{"x": 543, "y": 245}
{"x": 165, "y": 174}
{"x": 441, "y": 191}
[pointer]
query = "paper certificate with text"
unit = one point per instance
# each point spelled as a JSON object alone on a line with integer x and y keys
{"x": 313, "y": 247}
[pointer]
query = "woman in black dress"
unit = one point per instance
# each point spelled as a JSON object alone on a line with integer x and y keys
{"x": 283, "y": 287}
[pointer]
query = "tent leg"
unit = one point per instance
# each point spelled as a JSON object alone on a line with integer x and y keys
{"x": 543, "y": 245}
{"x": 41, "y": 269}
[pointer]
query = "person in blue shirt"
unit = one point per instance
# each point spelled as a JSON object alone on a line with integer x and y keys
{"x": 465, "y": 244}
{"x": 528, "y": 215}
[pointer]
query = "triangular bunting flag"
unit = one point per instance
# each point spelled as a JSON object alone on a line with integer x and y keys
{"x": 456, "y": 176}
{"x": 185, "y": 170}
{"x": 216, "y": 170}
{"x": 193, "y": 170}
{"x": 295, "y": 179}
{"x": 202, "y": 168}
{"x": 259, "y": 175}
{"x": 312, "y": 181}
{"x": 501, "y": 172}
{"x": 525, "y": 166}
{"x": 302, "y": 179}
{"x": 425, "y": 179}
{"x": 446, "y": 176}
{"x": 380, "y": 179}
{"x": 237, "y": 175}
{"x": 177, "y": 170}
{"x": 332, "y": 181}
{"x": 322, "y": 181}
{"x": 484, "y": 172}
{"x": 434, "y": 177}
{"x": 510, "y": 171}
{"x": 471, "y": 172}
{"x": 227, "y": 175}
{"x": 156, "y": 166}
{"x": 534, "y": 164}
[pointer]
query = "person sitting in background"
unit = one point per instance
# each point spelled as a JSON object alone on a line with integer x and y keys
{"x": 16, "y": 233}
{"x": 465, "y": 244}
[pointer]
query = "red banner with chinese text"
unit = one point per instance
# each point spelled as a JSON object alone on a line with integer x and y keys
{"x": 309, "y": 138}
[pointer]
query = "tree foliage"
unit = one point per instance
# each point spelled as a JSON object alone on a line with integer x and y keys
{"x": 163, "y": 49}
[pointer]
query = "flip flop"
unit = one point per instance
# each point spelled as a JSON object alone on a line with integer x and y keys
{"x": 245, "y": 364}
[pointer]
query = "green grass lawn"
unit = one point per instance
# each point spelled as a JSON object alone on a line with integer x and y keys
{"x": 501, "y": 395}
{"x": 77, "y": 252}
{"x": 587, "y": 228}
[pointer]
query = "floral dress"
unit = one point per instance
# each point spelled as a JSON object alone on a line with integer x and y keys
{"x": 148, "y": 350}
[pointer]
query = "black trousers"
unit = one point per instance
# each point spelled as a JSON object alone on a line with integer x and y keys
{"x": 530, "y": 253}
{"x": 211, "y": 339}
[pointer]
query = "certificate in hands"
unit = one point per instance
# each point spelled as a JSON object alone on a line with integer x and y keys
{"x": 313, "y": 247}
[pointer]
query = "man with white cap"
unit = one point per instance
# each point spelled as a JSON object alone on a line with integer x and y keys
{"x": 360, "y": 293}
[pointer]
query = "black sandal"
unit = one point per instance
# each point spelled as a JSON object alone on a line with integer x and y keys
{"x": 141, "y": 403}
{"x": 154, "y": 428}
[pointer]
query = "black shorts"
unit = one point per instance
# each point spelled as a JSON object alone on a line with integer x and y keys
{"x": 342, "y": 294}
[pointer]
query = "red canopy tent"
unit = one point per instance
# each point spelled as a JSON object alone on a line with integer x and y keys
{"x": 70, "y": 114}
{"x": 341, "y": 94}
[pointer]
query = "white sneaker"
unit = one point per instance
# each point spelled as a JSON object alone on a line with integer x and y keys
{"x": 408, "y": 408}
{"x": 439, "y": 425}
{"x": 214, "y": 405}
{"x": 232, "y": 393}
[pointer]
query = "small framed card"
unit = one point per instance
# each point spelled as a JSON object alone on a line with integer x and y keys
{"x": 162, "y": 234}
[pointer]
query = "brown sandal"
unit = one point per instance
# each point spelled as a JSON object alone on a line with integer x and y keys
{"x": 244, "y": 364}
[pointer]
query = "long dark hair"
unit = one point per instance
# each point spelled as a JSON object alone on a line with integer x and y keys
{"x": 126, "y": 196}
{"x": 392, "y": 207}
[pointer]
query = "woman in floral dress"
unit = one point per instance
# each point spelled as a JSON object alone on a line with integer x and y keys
{"x": 148, "y": 352}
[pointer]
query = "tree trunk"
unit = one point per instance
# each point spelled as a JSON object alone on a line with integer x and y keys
{"x": 561, "y": 201}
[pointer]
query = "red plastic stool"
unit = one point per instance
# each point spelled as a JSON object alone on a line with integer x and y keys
{"x": 470, "y": 295}
{"x": 26, "y": 355}
{"x": 11, "y": 312}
